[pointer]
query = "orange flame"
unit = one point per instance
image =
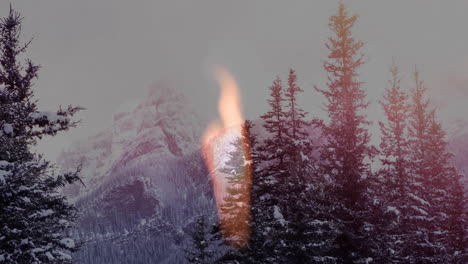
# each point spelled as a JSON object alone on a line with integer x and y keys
{"x": 229, "y": 107}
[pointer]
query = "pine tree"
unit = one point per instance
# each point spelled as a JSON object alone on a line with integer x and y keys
{"x": 259, "y": 248}
{"x": 393, "y": 177}
{"x": 295, "y": 121}
{"x": 274, "y": 124}
{"x": 289, "y": 224}
{"x": 446, "y": 234}
{"x": 234, "y": 204}
{"x": 34, "y": 216}
{"x": 457, "y": 239}
{"x": 296, "y": 208}
{"x": 419, "y": 217}
{"x": 235, "y": 209}
{"x": 201, "y": 242}
{"x": 348, "y": 150}
{"x": 269, "y": 155}
{"x": 438, "y": 188}
{"x": 394, "y": 144}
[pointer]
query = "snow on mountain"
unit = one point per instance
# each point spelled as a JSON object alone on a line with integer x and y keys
{"x": 144, "y": 182}
{"x": 160, "y": 126}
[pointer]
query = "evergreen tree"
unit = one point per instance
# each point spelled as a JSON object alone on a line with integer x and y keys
{"x": 419, "y": 222}
{"x": 295, "y": 208}
{"x": 393, "y": 177}
{"x": 347, "y": 152}
{"x": 289, "y": 223}
{"x": 440, "y": 173}
{"x": 447, "y": 234}
{"x": 433, "y": 215}
{"x": 201, "y": 242}
{"x": 261, "y": 201}
{"x": 33, "y": 214}
{"x": 235, "y": 209}
{"x": 274, "y": 124}
{"x": 456, "y": 223}
{"x": 295, "y": 121}
{"x": 394, "y": 144}
{"x": 265, "y": 195}
{"x": 279, "y": 228}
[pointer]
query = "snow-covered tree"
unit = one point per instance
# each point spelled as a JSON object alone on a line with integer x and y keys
{"x": 34, "y": 216}
{"x": 431, "y": 188}
{"x": 235, "y": 209}
{"x": 201, "y": 242}
{"x": 274, "y": 124}
{"x": 443, "y": 187}
{"x": 295, "y": 122}
{"x": 267, "y": 174}
{"x": 393, "y": 178}
{"x": 418, "y": 222}
{"x": 394, "y": 146}
{"x": 418, "y": 185}
{"x": 289, "y": 219}
{"x": 296, "y": 208}
{"x": 456, "y": 224}
{"x": 347, "y": 152}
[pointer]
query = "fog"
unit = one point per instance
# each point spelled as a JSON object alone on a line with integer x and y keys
{"x": 101, "y": 54}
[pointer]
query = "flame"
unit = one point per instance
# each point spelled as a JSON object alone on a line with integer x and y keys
{"x": 231, "y": 120}
{"x": 229, "y": 105}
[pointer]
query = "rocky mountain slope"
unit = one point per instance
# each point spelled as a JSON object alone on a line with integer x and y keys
{"x": 161, "y": 126}
{"x": 144, "y": 183}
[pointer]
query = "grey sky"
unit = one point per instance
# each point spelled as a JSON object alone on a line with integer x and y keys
{"x": 99, "y": 54}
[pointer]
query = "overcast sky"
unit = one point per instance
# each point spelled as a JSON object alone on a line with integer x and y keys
{"x": 100, "y": 54}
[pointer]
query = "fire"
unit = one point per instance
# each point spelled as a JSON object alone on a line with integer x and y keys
{"x": 229, "y": 105}
{"x": 231, "y": 119}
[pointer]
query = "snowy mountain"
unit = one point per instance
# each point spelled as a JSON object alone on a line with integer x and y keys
{"x": 161, "y": 126}
{"x": 144, "y": 183}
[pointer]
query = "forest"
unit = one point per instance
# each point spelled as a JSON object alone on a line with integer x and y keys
{"x": 300, "y": 189}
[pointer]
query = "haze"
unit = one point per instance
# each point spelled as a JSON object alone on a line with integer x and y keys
{"x": 101, "y": 54}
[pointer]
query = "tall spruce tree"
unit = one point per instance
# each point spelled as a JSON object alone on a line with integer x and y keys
{"x": 235, "y": 210}
{"x": 431, "y": 213}
{"x": 34, "y": 216}
{"x": 440, "y": 173}
{"x": 347, "y": 152}
{"x": 419, "y": 221}
{"x": 269, "y": 172}
{"x": 393, "y": 178}
{"x": 298, "y": 240}
{"x": 394, "y": 146}
{"x": 289, "y": 223}
{"x": 234, "y": 206}
{"x": 274, "y": 124}
{"x": 418, "y": 185}
{"x": 457, "y": 237}
{"x": 295, "y": 122}
{"x": 256, "y": 251}
{"x": 446, "y": 235}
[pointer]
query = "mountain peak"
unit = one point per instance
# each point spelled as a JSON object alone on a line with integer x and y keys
{"x": 162, "y": 125}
